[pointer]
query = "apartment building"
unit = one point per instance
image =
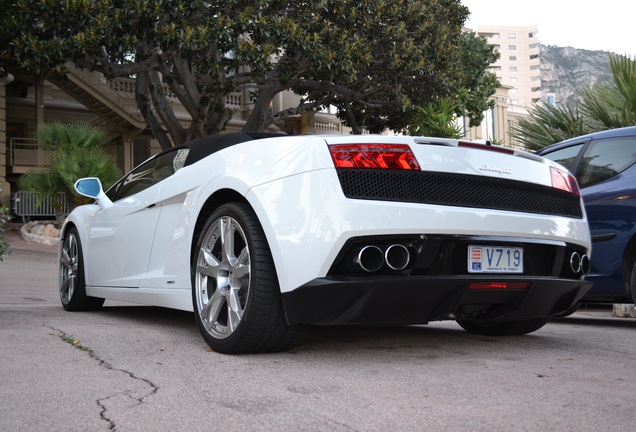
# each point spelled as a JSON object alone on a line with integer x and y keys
{"x": 518, "y": 65}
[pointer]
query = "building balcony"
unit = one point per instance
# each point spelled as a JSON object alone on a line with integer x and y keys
{"x": 25, "y": 154}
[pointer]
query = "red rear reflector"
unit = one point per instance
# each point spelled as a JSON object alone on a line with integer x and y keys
{"x": 498, "y": 285}
{"x": 564, "y": 180}
{"x": 485, "y": 147}
{"x": 375, "y": 156}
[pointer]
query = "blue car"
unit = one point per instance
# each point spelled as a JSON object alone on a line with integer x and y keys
{"x": 604, "y": 165}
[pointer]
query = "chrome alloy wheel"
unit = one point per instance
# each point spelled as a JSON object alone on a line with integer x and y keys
{"x": 222, "y": 277}
{"x": 69, "y": 264}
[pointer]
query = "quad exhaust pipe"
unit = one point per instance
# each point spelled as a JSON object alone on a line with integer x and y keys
{"x": 372, "y": 258}
{"x": 580, "y": 264}
{"x": 397, "y": 257}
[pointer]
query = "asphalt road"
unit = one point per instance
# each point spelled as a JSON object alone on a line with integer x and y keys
{"x": 133, "y": 368}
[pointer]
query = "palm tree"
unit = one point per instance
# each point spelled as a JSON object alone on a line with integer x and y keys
{"x": 78, "y": 152}
{"x": 437, "y": 119}
{"x": 604, "y": 106}
{"x": 549, "y": 124}
{"x": 614, "y": 104}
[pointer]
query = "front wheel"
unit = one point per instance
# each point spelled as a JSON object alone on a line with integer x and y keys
{"x": 503, "y": 328}
{"x": 71, "y": 276}
{"x": 236, "y": 297}
{"x": 633, "y": 284}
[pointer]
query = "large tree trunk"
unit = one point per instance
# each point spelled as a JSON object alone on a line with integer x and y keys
{"x": 164, "y": 110}
{"x": 146, "y": 110}
{"x": 261, "y": 117}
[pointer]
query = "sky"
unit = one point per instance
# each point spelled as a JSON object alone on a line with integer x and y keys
{"x": 606, "y": 25}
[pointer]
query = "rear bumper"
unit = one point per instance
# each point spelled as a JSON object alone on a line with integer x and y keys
{"x": 420, "y": 299}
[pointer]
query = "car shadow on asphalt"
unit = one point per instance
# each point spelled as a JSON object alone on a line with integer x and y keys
{"x": 150, "y": 315}
{"x": 438, "y": 335}
{"x": 316, "y": 338}
{"x": 611, "y": 322}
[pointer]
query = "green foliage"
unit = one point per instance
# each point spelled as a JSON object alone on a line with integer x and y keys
{"x": 613, "y": 104}
{"x": 605, "y": 106}
{"x": 437, "y": 119}
{"x": 5, "y": 216}
{"x": 79, "y": 152}
{"x": 549, "y": 124}
{"x": 478, "y": 83}
{"x": 372, "y": 59}
{"x": 64, "y": 136}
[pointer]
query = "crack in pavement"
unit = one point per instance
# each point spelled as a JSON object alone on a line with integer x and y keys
{"x": 103, "y": 363}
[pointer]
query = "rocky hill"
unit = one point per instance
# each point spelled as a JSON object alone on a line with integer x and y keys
{"x": 565, "y": 71}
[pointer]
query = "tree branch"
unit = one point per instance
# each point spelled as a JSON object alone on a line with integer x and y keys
{"x": 145, "y": 109}
{"x": 164, "y": 110}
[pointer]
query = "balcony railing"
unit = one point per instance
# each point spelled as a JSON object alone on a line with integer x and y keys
{"x": 126, "y": 86}
{"x": 327, "y": 124}
{"x": 27, "y": 153}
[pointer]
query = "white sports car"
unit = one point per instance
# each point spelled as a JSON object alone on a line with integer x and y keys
{"x": 262, "y": 234}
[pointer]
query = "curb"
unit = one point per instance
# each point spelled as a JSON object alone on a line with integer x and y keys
{"x": 26, "y": 231}
{"x": 18, "y": 244}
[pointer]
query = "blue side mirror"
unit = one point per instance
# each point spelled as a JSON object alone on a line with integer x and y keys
{"x": 90, "y": 187}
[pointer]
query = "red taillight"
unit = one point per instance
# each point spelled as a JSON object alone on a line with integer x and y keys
{"x": 564, "y": 180}
{"x": 498, "y": 285}
{"x": 383, "y": 156}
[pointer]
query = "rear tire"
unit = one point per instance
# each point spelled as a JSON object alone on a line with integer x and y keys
{"x": 236, "y": 296}
{"x": 503, "y": 328}
{"x": 71, "y": 276}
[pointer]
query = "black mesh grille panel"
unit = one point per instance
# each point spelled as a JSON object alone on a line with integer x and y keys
{"x": 459, "y": 190}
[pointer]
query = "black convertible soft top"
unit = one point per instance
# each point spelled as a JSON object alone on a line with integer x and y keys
{"x": 203, "y": 147}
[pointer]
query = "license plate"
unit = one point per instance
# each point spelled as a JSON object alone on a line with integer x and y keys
{"x": 495, "y": 259}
